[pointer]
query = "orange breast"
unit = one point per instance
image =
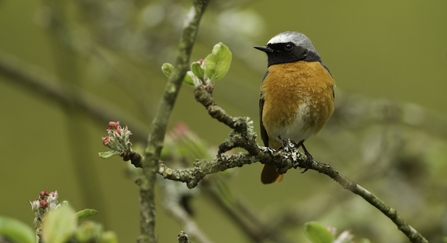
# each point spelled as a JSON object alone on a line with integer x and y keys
{"x": 298, "y": 100}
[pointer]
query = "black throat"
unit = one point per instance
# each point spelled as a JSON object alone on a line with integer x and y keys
{"x": 279, "y": 55}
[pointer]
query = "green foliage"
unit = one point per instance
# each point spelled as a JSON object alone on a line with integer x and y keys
{"x": 16, "y": 231}
{"x": 217, "y": 63}
{"x": 85, "y": 214}
{"x": 59, "y": 225}
{"x": 189, "y": 78}
{"x": 205, "y": 72}
{"x": 317, "y": 233}
{"x": 198, "y": 70}
{"x": 89, "y": 231}
{"x": 167, "y": 69}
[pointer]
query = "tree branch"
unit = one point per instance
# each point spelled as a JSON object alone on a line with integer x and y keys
{"x": 286, "y": 158}
{"x": 159, "y": 124}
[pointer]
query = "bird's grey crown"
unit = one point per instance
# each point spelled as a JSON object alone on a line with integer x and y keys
{"x": 297, "y": 38}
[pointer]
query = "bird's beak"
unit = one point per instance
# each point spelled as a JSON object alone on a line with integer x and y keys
{"x": 265, "y": 49}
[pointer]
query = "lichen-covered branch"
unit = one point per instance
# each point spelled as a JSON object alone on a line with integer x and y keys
{"x": 159, "y": 124}
{"x": 203, "y": 167}
{"x": 286, "y": 158}
{"x": 391, "y": 213}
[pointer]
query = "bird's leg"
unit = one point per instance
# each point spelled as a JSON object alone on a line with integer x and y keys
{"x": 308, "y": 155}
{"x": 287, "y": 145}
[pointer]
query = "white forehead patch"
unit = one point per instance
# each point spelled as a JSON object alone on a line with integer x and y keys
{"x": 288, "y": 36}
{"x": 297, "y": 38}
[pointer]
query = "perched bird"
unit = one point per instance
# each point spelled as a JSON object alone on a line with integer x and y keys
{"x": 297, "y": 94}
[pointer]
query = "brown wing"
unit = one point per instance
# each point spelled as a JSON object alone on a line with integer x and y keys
{"x": 264, "y": 135}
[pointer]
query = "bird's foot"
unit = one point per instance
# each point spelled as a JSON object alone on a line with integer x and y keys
{"x": 270, "y": 150}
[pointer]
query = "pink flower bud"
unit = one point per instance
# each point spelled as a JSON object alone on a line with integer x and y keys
{"x": 106, "y": 140}
{"x": 201, "y": 62}
{"x": 43, "y": 204}
{"x": 119, "y": 131}
{"x": 43, "y": 194}
{"x": 113, "y": 125}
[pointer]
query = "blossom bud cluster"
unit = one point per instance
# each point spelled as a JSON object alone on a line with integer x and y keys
{"x": 42, "y": 205}
{"x": 118, "y": 137}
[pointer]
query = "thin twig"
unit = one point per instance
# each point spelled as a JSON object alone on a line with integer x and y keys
{"x": 159, "y": 124}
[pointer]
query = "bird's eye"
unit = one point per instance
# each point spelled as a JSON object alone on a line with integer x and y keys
{"x": 288, "y": 46}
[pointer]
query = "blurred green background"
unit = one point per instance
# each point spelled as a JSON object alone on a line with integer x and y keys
{"x": 389, "y": 59}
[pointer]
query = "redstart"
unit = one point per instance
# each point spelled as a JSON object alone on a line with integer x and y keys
{"x": 297, "y": 95}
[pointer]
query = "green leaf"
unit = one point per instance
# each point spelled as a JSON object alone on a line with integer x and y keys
{"x": 167, "y": 69}
{"x": 108, "y": 154}
{"x": 16, "y": 231}
{"x": 59, "y": 224}
{"x": 197, "y": 69}
{"x": 188, "y": 78}
{"x": 86, "y": 213}
{"x": 218, "y": 62}
{"x": 317, "y": 233}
